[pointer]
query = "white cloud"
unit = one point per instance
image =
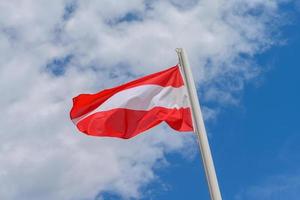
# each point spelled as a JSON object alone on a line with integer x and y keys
{"x": 42, "y": 156}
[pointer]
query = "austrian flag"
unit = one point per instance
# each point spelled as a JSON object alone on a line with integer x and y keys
{"x": 132, "y": 108}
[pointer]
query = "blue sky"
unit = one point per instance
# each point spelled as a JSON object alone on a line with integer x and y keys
{"x": 255, "y": 144}
{"x": 244, "y": 57}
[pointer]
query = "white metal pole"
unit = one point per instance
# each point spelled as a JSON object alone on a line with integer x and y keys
{"x": 199, "y": 126}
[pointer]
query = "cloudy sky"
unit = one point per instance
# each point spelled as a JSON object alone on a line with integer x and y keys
{"x": 244, "y": 56}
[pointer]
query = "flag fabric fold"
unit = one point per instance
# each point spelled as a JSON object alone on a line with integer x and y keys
{"x": 132, "y": 108}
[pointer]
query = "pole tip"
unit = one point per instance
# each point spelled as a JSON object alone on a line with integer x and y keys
{"x": 178, "y": 50}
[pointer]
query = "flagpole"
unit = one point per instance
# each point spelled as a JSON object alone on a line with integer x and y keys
{"x": 199, "y": 126}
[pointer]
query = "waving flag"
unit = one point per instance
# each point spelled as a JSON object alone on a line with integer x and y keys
{"x": 130, "y": 109}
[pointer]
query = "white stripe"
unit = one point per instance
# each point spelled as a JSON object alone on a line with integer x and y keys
{"x": 144, "y": 97}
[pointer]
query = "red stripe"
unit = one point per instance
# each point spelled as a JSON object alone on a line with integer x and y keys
{"x": 85, "y": 103}
{"x": 125, "y": 123}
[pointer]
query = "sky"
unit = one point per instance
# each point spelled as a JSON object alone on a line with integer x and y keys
{"x": 244, "y": 57}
